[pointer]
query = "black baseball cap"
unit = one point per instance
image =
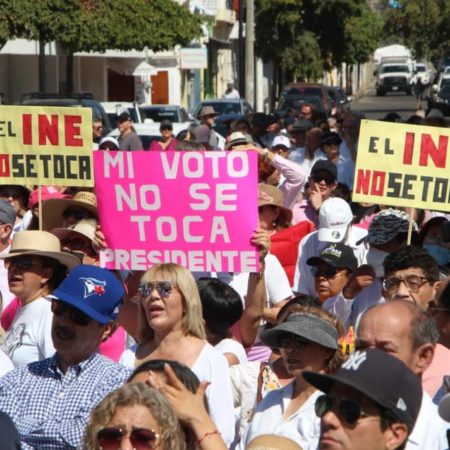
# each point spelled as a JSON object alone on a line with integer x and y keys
{"x": 325, "y": 164}
{"x": 123, "y": 117}
{"x": 337, "y": 255}
{"x": 381, "y": 377}
{"x": 331, "y": 137}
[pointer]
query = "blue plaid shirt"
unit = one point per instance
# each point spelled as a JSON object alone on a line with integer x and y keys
{"x": 51, "y": 409}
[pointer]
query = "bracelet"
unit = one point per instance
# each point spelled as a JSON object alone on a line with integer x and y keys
{"x": 207, "y": 434}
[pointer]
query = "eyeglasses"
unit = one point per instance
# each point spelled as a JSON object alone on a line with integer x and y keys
{"x": 348, "y": 410}
{"x": 332, "y": 144}
{"x": 412, "y": 282}
{"x": 166, "y": 127}
{"x": 21, "y": 263}
{"x": 329, "y": 179}
{"x": 141, "y": 438}
{"x": 164, "y": 288}
{"x": 78, "y": 214}
{"x": 76, "y": 316}
{"x": 297, "y": 341}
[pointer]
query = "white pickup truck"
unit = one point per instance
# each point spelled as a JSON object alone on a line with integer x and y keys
{"x": 394, "y": 75}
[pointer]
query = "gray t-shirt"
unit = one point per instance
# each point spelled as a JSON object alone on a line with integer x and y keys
{"x": 130, "y": 142}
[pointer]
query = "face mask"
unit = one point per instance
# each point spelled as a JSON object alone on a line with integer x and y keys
{"x": 440, "y": 254}
{"x": 375, "y": 258}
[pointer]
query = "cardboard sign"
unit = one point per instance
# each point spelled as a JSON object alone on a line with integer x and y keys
{"x": 46, "y": 146}
{"x": 197, "y": 209}
{"x": 403, "y": 165}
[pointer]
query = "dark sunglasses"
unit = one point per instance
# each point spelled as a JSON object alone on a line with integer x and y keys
{"x": 348, "y": 410}
{"x": 140, "y": 438}
{"x": 76, "y": 316}
{"x": 21, "y": 263}
{"x": 333, "y": 143}
{"x": 326, "y": 271}
{"x": 166, "y": 127}
{"x": 78, "y": 214}
{"x": 329, "y": 179}
{"x": 298, "y": 341}
{"x": 164, "y": 288}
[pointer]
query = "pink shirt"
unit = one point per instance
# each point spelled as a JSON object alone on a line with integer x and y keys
{"x": 440, "y": 366}
{"x": 156, "y": 145}
{"x": 303, "y": 211}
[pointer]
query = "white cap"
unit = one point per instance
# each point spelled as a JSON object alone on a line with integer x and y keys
{"x": 334, "y": 217}
{"x": 444, "y": 407}
{"x": 281, "y": 140}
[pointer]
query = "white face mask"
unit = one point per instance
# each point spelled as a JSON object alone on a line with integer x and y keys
{"x": 375, "y": 258}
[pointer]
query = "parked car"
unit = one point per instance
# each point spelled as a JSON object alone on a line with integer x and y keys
{"x": 113, "y": 109}
{"x": 84, "y": 100}
{"x": 313, "y": 89}
{"x": 441, "y": 100}
{"x": 340, "y": 100}
{"x": 149, "y": 131}
{"x": 296, "y": 102}
{"x": 224, "y": 106}
{"x": 158, "y": 113}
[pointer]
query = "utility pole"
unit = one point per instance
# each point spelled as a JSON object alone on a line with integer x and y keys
{"x": 249, "y": 53}
{"x": 241, "y": 51}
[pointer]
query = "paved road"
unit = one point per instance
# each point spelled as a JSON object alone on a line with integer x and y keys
{"x": 377, "y": 107}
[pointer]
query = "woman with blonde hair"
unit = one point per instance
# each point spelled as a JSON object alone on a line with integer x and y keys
{"x": 137, "y": 414}
{"x": 170, "y": 326}
{"x": 308, "y": 339}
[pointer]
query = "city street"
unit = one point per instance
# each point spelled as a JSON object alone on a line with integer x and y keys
{"x": 377, "y": 107}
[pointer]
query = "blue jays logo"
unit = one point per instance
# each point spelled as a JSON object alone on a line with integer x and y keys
{"x": 93, "y": 286}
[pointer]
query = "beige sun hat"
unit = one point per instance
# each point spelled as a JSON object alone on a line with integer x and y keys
{"x": 40, "y": 243}
{"x": 208, "y": 111}
{"x": 52, "y": 209}
{"x": 272, "y": 442}
{"x": 271, "y": 195}
{"x": 83, "y": 228}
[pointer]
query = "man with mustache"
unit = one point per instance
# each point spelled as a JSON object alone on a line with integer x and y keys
{"x": 49, "y": 401}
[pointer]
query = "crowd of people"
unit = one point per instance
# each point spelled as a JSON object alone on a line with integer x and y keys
{"x": 340, "y": 341}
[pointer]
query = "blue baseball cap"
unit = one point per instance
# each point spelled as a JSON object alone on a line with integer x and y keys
{"x": 93, "y": 290}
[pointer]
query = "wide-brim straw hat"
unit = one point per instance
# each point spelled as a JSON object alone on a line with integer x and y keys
{"x": 272, "y": 442}
{"x": 40, "y": 243}
{"x": 271, "y": 195}
{"x": 83, "y": 228}
{"x": 238, "y": 138}
{"x": 208, "y": 111}
{"x": 52, "y": 210}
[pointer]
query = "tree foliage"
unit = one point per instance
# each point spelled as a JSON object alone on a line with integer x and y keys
{"x": 304, "y": 35}
{"x": 421, "y": 25}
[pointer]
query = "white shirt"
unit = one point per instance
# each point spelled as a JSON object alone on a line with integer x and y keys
{"x": 311, "y": 246}
{"x": 234, "y": 347}
{"x": 29, "y": 338}
{"x": 299, "y": 156}
{"x": 303, "y": 426}
{"x": 430, "y": 431}
{"x": 213, "y": 367}
{"x": 6, "y": 364}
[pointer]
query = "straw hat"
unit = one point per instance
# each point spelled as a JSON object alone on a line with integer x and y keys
{"x": 52, "y": 210}
{"x": 272, "y": 442}
{"x": 83, "y": 228}
{"x": 238, "y": 138}
{"x": 208, "y": 111}
{"x": 40, "y": 243}
{"x": 271, "y": 195}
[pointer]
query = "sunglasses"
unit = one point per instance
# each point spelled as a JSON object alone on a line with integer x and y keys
{"x": 76, "y": 244}
{"x": 140, "y": 438}
{"x": 76, "y": 316}
{"x": 298, "y": 341}
{"x": 21, "y": 263}
{"x": 329, "y": 179}
{"x": 164, "y": 288}
{"x": 78, "y": 214}
{"x": 326, "y": 271}
{"x": 166, "y": 127}
{"x": 349, "y": 410}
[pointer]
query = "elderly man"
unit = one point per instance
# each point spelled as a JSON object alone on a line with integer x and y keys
{"x": 408, "y": 333}
{"x": 49, "y": 401}
{"x": 370, "y": 403}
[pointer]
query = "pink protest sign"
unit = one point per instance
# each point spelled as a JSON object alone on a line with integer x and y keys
{"x": 197, "y": 209}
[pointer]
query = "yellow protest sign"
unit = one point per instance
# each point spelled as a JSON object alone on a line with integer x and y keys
{"x": 46, "y": 146}
{"x": 403, "y": 165}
